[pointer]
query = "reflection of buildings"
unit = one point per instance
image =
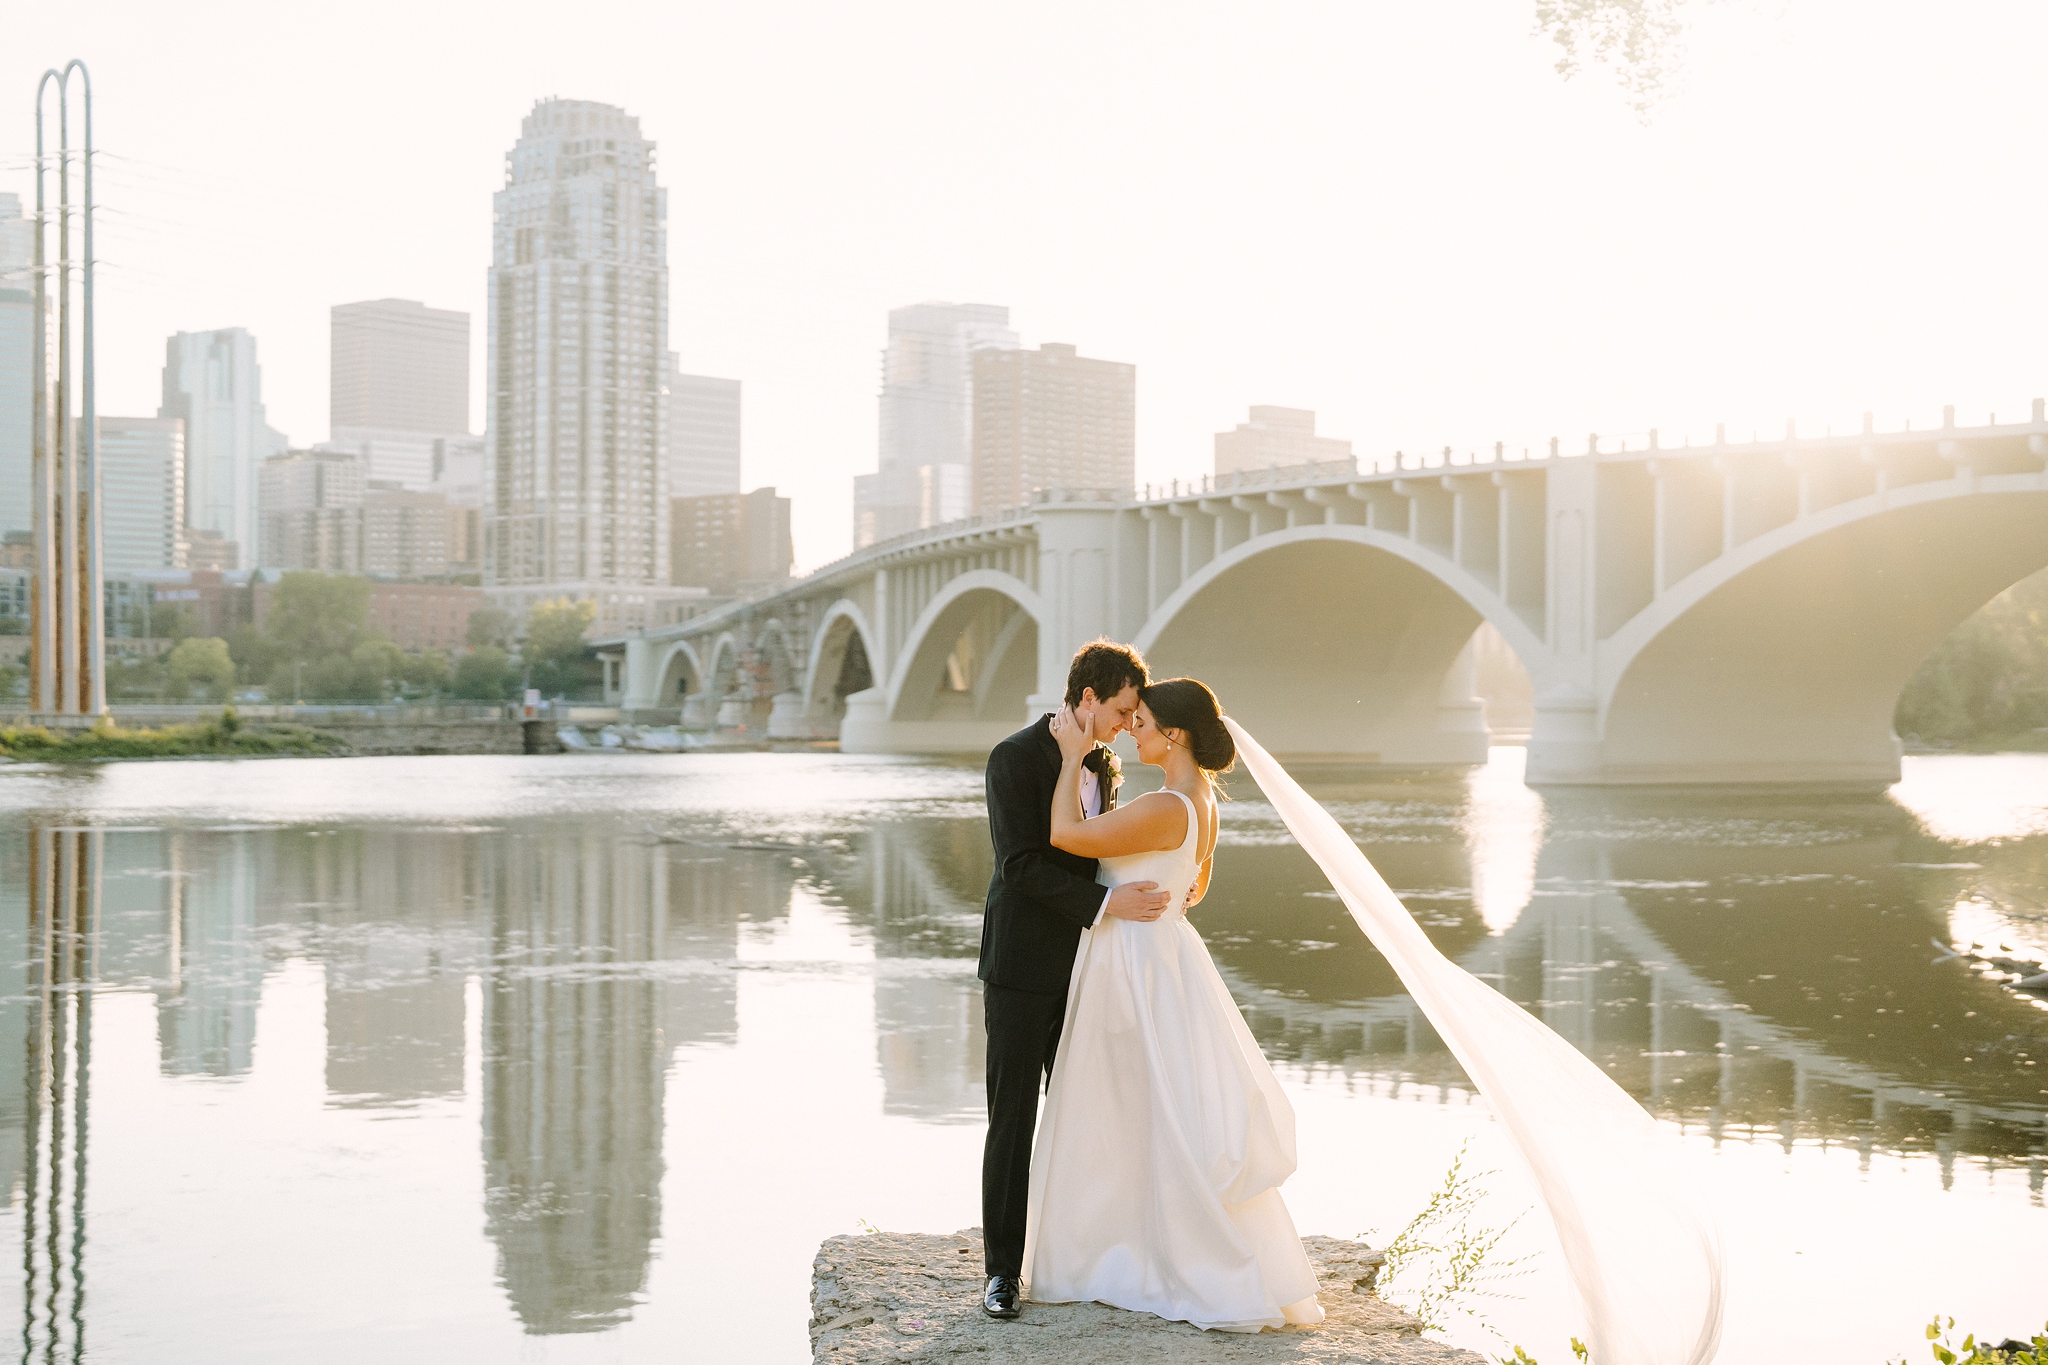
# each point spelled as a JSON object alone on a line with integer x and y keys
{"x": 1729, "y": 967}
{"x": 398, "y": 943}
{"x": 206, "y": 1007}
{"x": 922, "y": 885}
{"x": 572, "y": 1076}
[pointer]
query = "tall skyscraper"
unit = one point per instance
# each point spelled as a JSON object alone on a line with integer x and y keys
{"x": 17, "y": 365}
{"x": 578, "y": 361}
{"x": 142, "y": 493}
{"x": 213, "y": 383}
{"x": 923, "y": 473}
{"x": 398, "y": 388}
{"x": 1277, "y": 438}
{"x": 703, "y": 434}
{"x": 398, "y": 365}
{"x": 1051, "y": 418}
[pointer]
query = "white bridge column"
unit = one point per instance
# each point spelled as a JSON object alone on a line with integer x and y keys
{"x": 1564, "y": 742}
{"x": 1076, "y": 581}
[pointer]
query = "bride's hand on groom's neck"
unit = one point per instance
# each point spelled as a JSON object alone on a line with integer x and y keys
{"x": 1074, "y": 732}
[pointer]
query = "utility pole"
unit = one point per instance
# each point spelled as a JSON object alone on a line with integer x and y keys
{"x": 67, "y": 603}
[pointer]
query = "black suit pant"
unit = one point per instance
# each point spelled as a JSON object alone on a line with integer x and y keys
{"x": 1023, "y": 1034}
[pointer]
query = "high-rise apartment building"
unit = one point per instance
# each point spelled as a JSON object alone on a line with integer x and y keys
{"x": 398, "y": 365}
{"x": 142, "y": 493}
{"x": 313, "y": 512}
{"x": 1051, "y": 418}
{"x": 1278, "y": 438}
{"x": 17, "y": 366}
{"x": 923, "y": 474}
{"x": 730, "y": 541}
{"x": 703, "y": 434}
{"x": 578, "y": 364}
{"x": 405, "y": 534}
{"x": 213, "y": 384}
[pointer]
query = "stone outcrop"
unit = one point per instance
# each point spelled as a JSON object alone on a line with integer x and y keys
{"x": 914, "y": 1296}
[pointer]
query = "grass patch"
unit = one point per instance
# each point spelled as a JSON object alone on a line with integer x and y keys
{"x": 225, "y": 735}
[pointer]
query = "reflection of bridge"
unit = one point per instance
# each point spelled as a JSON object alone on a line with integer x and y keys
{"x": 1733, "y": 612}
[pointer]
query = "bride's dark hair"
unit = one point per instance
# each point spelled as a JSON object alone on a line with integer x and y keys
{"x": 1187, "y": 704}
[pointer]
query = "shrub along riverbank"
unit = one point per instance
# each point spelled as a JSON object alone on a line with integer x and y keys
{"x": 225, "y": 735}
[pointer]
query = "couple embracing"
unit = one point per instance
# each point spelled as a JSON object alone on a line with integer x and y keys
{"x": 1153, "y": 1183}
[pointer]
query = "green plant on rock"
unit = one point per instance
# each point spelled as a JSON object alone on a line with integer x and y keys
{"x": 1972, "y": 1352}
{"x": 1448, "y": 1256}
{"x": 1522, "y": 1357}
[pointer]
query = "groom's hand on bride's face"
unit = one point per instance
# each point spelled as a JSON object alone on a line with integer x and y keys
{"x": 1141, "y": 901}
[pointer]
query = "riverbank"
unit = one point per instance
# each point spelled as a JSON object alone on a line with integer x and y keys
{"x": 895, "y": 1296}
{"x": 225, "y": 736}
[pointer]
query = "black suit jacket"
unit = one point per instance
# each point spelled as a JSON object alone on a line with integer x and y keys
{"x": 1040, "y": 898}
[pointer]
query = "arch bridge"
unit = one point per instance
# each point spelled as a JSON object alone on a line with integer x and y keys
{"x": 1741, "y": 612}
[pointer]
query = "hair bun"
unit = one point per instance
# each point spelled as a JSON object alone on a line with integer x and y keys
{"x": 1212, "y": 745}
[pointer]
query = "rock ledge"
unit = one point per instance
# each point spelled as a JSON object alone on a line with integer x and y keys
{"x": 901, "y": 1296}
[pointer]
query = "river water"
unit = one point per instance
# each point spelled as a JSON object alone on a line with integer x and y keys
{"x": 578, "y": 1058}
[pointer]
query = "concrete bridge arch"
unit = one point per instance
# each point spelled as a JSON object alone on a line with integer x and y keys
{"x": 963, "y": 674}
{"x": 1784, "y": 658}
{"x": 1337, "y": 639}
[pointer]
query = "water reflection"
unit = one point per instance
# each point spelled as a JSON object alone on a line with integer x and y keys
{"x": 1753, "y": 966}
{"x": 60, "y": 900}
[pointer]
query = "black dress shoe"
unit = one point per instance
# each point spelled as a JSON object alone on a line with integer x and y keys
{"x": 1000, "y": 1299}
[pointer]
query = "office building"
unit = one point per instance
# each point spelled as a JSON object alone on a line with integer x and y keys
{"x": 312, "y": 511}
{"x": 415, "y": 460}
{"x": 398, "y": 365}
{"x": 405, "y": 534}
{"x": 578, "y": 365}
{"x": 142, "y": 493}
{"x": 213, "y": 384}
{"x": 209, "y": 550}
{"x": 923, "y": 473}
{"x": 1051, "y": 418}
{"x": 1276, "y": 438}
{"x": 730, "y": 541}
{"x": 703, "y": 434}
{"x": 17, "y": 366}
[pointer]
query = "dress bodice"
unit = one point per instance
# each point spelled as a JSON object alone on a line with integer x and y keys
{"x": 1175, "y": 869}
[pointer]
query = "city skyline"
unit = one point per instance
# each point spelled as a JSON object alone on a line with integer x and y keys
{"x": 1527, "y": 260}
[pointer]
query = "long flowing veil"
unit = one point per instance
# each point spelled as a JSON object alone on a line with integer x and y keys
{"x": 1643, "y": 1253}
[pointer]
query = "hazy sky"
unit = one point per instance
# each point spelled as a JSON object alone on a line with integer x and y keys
{"x": 1392, "y": 212}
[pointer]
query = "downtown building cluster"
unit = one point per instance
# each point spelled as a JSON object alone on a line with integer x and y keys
{"x": 603, "y": 474}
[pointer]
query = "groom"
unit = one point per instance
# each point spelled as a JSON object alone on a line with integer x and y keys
{"x": 1039, "y": 901}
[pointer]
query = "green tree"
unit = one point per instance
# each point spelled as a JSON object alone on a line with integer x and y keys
{"x": 317, "y": 616}
{"x": 1989, "y": 679}
{"x": 201, "y": 664}
{"x": 424, "y": 674}
{"x": 370, "y": 672}
{"x": 555, "y": 654}
{"x": 491, "y": 626}
{"x": 485, "y": 674}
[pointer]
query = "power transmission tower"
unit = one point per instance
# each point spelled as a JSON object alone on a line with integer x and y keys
{"x": 67, "y": 610}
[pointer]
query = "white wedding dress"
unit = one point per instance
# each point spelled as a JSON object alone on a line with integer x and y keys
{"x": 1155, "y": 1176}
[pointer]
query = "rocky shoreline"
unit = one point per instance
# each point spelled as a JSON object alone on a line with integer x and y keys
{"x": 901, "y": 1296}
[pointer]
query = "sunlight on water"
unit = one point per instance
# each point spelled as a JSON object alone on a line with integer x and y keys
{"x": 578, "y": 1058}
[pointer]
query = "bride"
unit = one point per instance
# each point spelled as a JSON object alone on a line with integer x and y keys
{"x": 1155, "y": 1178}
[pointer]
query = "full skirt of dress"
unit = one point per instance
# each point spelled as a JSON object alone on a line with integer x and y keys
{"x": 1163, "y": 1142}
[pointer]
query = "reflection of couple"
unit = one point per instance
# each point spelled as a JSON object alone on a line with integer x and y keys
{"x": 1154, "y": 1181}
